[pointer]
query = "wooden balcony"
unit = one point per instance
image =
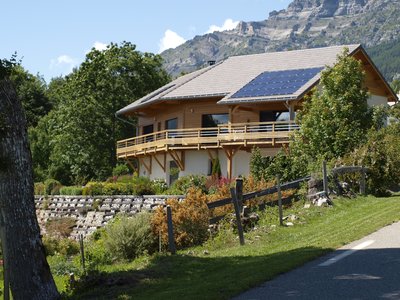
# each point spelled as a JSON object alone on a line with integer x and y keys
{"x": 245, "y": 135}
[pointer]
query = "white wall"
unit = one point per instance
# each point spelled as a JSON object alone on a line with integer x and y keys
{"x": 374, "y": 100}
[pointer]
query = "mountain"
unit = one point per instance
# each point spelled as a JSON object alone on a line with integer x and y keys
{"x": 304, "y": 24}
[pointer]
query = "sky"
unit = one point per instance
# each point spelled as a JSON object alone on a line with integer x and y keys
{"x": 51, "y": 37}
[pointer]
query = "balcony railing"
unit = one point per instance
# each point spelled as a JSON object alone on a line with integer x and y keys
{"x": 245, "y": 134}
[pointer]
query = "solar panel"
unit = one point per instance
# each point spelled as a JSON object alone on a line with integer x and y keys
{"x": 277, "y": 83}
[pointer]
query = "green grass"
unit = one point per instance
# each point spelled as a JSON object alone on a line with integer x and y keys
{"x": 228, "y": 269}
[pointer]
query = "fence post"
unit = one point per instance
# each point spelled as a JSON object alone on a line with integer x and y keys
{"x": 278, "y": 185}
{"x": 239, "y": 193}
{"x": 362, "y": 181}
{"x": 171, "y": 239}
{"x": 237, "y": 214}
{"x": 325, "y": 177}
{"x": 82, "y": 253}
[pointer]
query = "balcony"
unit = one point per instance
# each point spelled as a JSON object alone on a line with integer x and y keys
{"x": 262, "y": 134}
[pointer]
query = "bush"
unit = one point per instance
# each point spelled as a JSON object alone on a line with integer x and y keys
{"x": 52, "y": 187}
{"x": 184, "y": 183}
{"x": 39, "y": 188}
{"x": 71, "y": 190}
{"x": 117, "y": 188}
{"x": 92, "y": 188}
{"x": 120, "y": 169}
{"x": 129, "y": 237}
{"x": 159, "y": 186}
{"x": 189, "y": 217}
{"x": 60, "y": 227}
{"x": 143, "y": 186}
{"x": 63, "y": 246}
{"x": 61, "y": 265}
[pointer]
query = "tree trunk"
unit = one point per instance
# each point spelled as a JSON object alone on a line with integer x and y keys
{"x": 29, "y": 272}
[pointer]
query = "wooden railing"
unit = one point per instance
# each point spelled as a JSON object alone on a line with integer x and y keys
{"x": 203, "y": 138}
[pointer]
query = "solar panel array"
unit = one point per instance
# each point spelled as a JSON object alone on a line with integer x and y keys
{"x": 275, "y": 83}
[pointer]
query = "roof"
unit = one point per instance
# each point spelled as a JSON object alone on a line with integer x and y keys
{"x": 227, "y": 78}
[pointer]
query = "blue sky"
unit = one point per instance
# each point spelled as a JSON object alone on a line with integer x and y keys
{"x": 53, "y": 36}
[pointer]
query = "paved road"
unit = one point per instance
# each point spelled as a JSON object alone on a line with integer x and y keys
{"x": 365, "y": 269}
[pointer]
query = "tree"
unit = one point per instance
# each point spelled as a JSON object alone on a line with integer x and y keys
{"x": 32, "y": 92}
{"x": 30, "y": 276}
{"x": 336, "y": 118}
{"x": 83, "y": 130}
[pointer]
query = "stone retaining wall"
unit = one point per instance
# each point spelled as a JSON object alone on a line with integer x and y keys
{"x": 93, "y": 212}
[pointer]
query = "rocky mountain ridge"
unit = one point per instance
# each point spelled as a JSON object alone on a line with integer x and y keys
{"x": 304, "y": 24}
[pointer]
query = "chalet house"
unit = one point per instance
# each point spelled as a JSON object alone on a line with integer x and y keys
{"x": 225, "y": 109}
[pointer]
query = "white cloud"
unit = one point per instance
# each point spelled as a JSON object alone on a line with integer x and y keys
{"x": 64, "y": 62}
{"x": 170, "y": 40}
{"x": 99, "y": 46}
{"x": 229, "y": 24}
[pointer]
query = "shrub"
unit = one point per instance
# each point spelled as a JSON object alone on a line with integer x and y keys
{"x": 52, "y": 187}
{"x": 160, "y": 186}
{"x": 71, "y": 190}
{"x": 62, "y": 265}
{"x": 120, "y": 169}
{"x": 93, "y": 188}
{"x": 60, "y": 227}
{"x": 117, "y": 188}
{"x": 142, "y": 186}
{"x": 129, "y": 237}
{"x": 182, "y": 184}
{"x": 189, "y": 217}
{"x": 39, "y": 188}
{"x": 63, "y": 246}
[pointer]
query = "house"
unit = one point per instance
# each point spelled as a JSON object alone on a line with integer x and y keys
{"x": 225, "y": 109}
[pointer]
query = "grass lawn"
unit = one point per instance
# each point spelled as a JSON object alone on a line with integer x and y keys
{"x": 222, "y": 268}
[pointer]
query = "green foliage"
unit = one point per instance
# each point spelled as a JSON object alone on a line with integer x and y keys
{"x": 31, "y": 91}
{"x": 63, "y": 246}
{"x": 62, "y": 265}
{"x": 216, "y": 168}
{"x": 39, "y": 188}
{"x": 120, "y": 169}
{"x": 92, "y": 188}
{"x": 129, "y": 237}
{"x": 381, "y": 155}
{"x": 396, "y": 85}
{"x": 336, "y": 117}
{"x": 184, "y": 183}
{"x": 386, "y": 57}
{"x": 142, "y": 186}
{"x": 52, "y": 187}
{"x": 289, "y": 165}
{"x": 82, "y": 128}
{"x": 71, "y": 190}
{"x": 160, "y": 186}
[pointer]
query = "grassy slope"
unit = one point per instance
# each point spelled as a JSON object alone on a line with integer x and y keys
{"x": 229, "y": 269}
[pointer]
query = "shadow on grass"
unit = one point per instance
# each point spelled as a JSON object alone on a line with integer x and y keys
{"x": 194, "y": 277}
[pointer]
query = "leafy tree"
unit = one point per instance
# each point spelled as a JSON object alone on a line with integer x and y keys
{"x": 336, "y": 117}
{"x": 396, "y": 85}
{"x": 83, "y": 130}
{"x": 31, "y": 90}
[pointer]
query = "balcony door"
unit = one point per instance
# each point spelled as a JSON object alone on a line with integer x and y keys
{"x": 274, "y": 116}
{"x": 212, "y": 121}
{"x": 171, "y": 124}
{"x": 148, "y": 130}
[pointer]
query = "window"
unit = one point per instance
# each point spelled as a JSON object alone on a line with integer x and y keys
{"x": 213, "y": 120}
{"x": 147, "y": 130}
{"x": 173, "y": 172}
{"x": 171, "y": 124}
{"x": 274, "y": 116}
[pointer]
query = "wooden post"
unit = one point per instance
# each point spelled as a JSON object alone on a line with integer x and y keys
{"x": 362, "y": 181}
{"x": 82, "y": 253}
{"x": 239, "y": 192}
{"x": 159, "y": 242}
{"x": 237, "y": 214}
{"x": 6, "y": 277}
{"x": 278, "y": 185}
{"x": 325, "y": 177}
{"x": 171, "y": 239}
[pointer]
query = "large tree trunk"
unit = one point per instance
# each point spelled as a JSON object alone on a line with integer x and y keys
{"x": 30, "y": 276}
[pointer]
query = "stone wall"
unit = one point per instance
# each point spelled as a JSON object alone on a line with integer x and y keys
{"x": 93, "y": 212}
